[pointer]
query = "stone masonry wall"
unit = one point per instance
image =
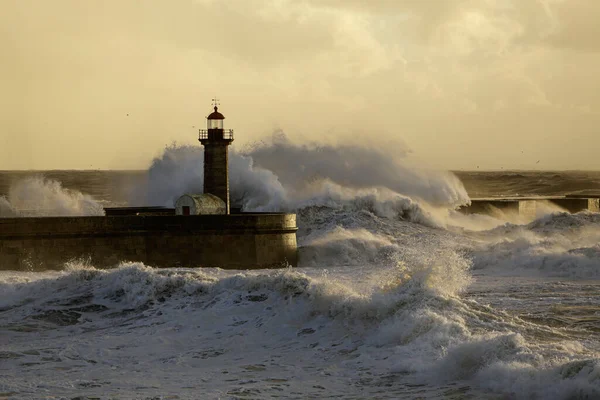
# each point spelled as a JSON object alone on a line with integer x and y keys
{"x": 242, "y": 241}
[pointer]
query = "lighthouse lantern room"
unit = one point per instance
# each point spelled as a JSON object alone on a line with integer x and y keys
{"x": 215, "y": 119}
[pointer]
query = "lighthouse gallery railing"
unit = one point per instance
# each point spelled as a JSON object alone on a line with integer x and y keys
{"x": 205, "y": 134}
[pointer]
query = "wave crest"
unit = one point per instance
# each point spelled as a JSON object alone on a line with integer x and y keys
{"x": 39, "y": 197}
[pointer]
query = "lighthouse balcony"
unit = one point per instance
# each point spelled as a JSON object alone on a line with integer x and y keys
{"x": 216, "y": 134}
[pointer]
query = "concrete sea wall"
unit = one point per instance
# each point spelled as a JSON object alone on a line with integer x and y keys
{"x": 528, "y": 206}
{"x": 241, "y": 241}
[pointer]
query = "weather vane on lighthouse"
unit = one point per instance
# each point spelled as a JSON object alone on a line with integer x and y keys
{"x": 216, "y": 141}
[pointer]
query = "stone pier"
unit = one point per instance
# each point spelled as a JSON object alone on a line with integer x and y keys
{"x": 239, "y": 241}
{"x": 527, "y": 206}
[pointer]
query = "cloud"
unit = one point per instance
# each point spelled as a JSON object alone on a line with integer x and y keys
{"x": 460, "y": 81}
{"x": 578, "y": 27}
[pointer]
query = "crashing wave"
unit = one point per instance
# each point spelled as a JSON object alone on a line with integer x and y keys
{"x": 40, "y": 197}
{"x": 410, "y": 320}
{"x": 395, "y": 190}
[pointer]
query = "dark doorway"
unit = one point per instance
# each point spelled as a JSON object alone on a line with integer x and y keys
{"x": 185, "y": 210}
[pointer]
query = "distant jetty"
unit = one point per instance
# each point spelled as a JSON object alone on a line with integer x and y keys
{"x": 527, "y": 206}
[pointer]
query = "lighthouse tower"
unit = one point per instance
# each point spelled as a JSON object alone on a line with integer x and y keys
{"x": 215, "y": 140}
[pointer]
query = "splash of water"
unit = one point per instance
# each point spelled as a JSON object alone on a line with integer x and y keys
{"x": 6, "y": 209}
{"x": 357, "y": 167}
{"x": 37, "y": 196}
{"x": 179, "y": 170}
{"x": 414, "y": 324}
{"x": 282, "y": 176}
{"x": 556, "y": 245}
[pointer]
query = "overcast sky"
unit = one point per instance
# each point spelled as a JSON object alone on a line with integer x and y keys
{"x": 462, "y": 83}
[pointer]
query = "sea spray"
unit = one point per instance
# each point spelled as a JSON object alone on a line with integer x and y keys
{"x": 6, "y": 209}
{"x": 356, "y": 167}
{"x": 379, "y": 201}
{"x": 306, "y": 178}
{"x": 556, "y": 245}
{"x": 179, "y": 170}
{"x": 37, "y": 196}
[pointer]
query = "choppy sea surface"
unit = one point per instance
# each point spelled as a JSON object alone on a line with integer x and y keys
{"x": 396, "y": 295}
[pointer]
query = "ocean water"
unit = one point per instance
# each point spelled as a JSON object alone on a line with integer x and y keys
{"x": 396, "y": 295}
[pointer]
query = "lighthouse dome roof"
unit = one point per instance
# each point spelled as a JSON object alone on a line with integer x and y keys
{"x": 216, "y": 114}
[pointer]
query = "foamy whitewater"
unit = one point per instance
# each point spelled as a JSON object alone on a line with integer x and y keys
{"x": 37, "y": 196}
{"x": 396, "y": 296}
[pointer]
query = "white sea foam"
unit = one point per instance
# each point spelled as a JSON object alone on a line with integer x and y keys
{"x": 179, "y": 170}
{"x": 395, "y": 190}
{"x": 556, "y": 245}
{"x": 357, "y": 167}
{"x": 214, "y": 330}
{"x": 36, "y": 196}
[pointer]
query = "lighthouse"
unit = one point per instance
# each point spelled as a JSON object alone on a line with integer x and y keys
{"x": 216, "y": 141}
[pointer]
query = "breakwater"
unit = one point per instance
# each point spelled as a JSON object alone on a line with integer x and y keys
{"x": 238, "y": 241}
{"x": 527, "y": 206}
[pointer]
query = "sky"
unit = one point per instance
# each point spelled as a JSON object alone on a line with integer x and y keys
{"x": 461, "y": 84}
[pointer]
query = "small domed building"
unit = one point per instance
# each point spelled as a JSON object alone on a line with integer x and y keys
{"x": 200, "y": 204}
